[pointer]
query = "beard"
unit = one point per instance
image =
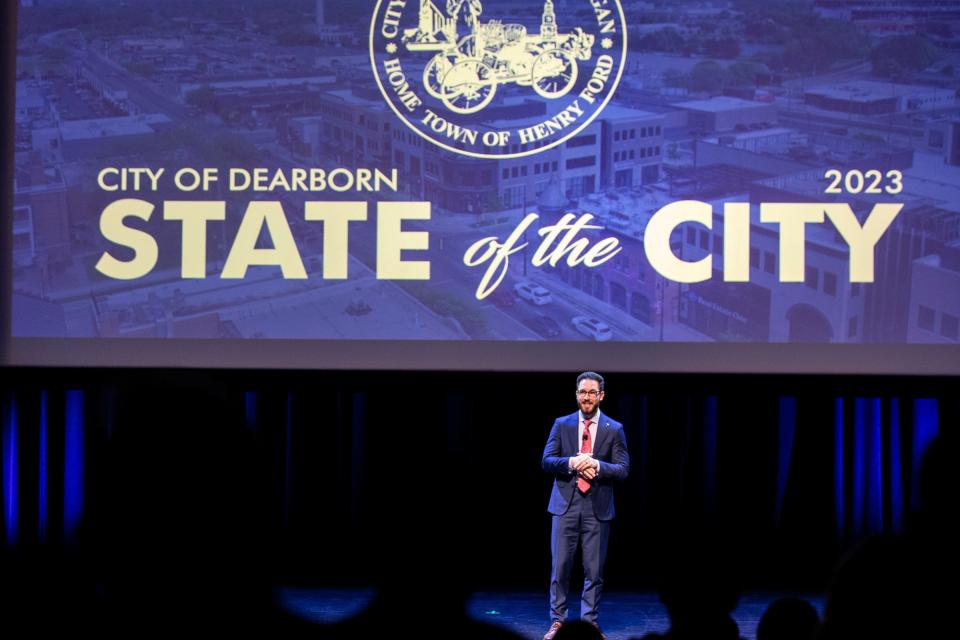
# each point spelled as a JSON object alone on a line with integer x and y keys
{"x": 589, "y": 412}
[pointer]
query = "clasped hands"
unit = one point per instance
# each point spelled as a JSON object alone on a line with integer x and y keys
{"x": 585, "y": 465}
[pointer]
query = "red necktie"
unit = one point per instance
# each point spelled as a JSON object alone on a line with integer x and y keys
{"x": 582, "y": 483}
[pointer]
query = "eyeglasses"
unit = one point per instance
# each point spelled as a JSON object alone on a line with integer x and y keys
{"x": 584, "y": 393}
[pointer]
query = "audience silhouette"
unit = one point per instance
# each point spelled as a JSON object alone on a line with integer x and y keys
{"x": 578, "y": 630}
{"x": 893, "y": 586}
{"x": 789, "y": 619}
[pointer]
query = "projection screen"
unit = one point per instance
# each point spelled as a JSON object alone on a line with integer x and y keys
{"x": 495, "y": 185}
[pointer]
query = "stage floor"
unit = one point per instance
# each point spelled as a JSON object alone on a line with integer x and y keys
{"x": 623, "y": 615}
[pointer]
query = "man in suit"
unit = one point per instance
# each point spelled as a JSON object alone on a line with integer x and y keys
{"x": 587, "y": 453}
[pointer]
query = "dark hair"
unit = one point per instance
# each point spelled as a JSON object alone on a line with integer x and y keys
{"x": 590, "y": 375}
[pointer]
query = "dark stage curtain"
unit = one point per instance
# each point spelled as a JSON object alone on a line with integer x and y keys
{"x": 779, "y": 483}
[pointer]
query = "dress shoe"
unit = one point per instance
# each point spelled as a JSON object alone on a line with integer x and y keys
{"x": 552, "y": 631}
{"x": 602, "y": 634}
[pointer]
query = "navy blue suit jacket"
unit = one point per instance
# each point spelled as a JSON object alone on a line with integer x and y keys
{"x": 610, "y": 449}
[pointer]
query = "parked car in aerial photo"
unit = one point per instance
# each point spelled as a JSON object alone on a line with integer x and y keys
{"x": 533, "y": 293}
{"x": 592, "y": 327}
{"x": 544, "y": 325}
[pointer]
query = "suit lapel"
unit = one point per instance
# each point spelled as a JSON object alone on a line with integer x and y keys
{"x": 602, "y": 430}
{"x": 573, "y": 423}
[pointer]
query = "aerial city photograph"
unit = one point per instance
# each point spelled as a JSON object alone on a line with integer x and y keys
{"x": 739, "y": 101}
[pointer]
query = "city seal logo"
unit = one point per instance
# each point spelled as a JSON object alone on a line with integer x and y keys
{"x": 499, "y": 88}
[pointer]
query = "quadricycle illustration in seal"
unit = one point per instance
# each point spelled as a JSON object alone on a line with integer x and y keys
{"x": 465, "y": 72}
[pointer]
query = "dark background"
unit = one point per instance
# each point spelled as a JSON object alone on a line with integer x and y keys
{"x": 340, "y": 479}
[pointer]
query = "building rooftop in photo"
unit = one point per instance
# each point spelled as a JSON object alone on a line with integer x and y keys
{"x": 872, "y": 91}
{"x": 626, "y": 210}
{"x": 259, "y": 82}
{"x": 718, "y": 104}
{"x": 610, "y": 113}
{"x": 348, "y": 96}
{"x": 620, "y": 112}
{"x": 107, "y": 127}
{"x": 932, "y": 178}
{"x": 758, "y": 133}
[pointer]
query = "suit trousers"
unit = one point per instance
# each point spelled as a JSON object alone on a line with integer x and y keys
{"x": 578, "y": 525}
